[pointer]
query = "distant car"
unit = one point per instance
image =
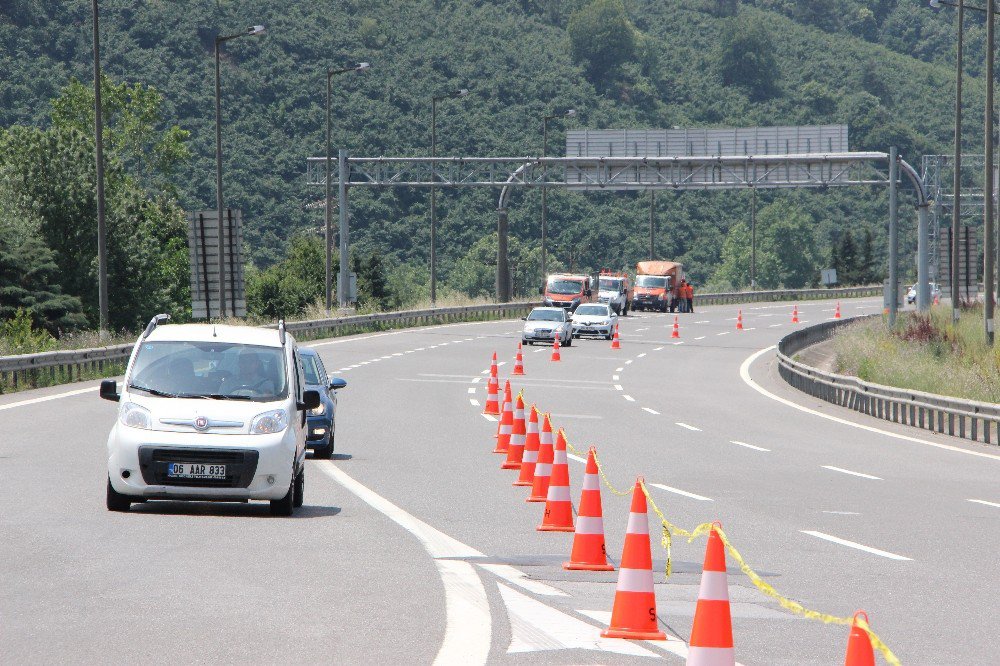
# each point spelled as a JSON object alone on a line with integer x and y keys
{"x": 594, "y": 319}
{"x": 545, "y": 325}
{"x": 322, "y": 420}
{"x": 911, "y": 295}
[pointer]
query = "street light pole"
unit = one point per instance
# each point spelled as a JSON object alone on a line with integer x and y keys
{"x": 434, "y": 101}
{"x": 545, "y": 171}
{"x": 219, "y": 40}
{"x": 330, "y": 73}
{"x": 988, "y": 178}
{"x": 102, "y": 234}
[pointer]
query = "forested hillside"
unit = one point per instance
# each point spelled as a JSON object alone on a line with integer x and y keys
{"x": 885, "y": 68}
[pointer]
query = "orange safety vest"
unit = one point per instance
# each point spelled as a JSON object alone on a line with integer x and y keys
{"x": 689, "y": 291}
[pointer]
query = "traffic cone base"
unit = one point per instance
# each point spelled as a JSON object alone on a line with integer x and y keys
{"x": 556, "y": 356}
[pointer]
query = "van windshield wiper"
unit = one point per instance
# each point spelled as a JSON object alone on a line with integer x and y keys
{"x": 153, "y": 391}
{"x": 215, "y": 396}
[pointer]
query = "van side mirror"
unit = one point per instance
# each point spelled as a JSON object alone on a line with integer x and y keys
{"x": 588, "y": 292}
{"x": 337, "y": 383}
{"x": 310, "y": 400}
{"x": 109, "y": 390}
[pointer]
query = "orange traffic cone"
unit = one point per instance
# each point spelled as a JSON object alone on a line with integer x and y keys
{"x": 712, "y": 633}
{"x": 937, "y": 299}
{"x": 506, "y": 422}
{"x": 616, "y": 343}
{"x": 739, "y": 320}
{"x": 493, "y": 366}
{"x": 506, "y": 399}
{"x": 677, "y": 330}
{"x": 492, "y": 397}
{"x": 555, "y": 349}
{"x": 516, "y": 448}
{"x": 836, "y": 313}
{"x": 859, "y": 645}
{"x": 589, "y": 553}
{"x": 558, "y": 505}
{"x": 634, "y": 612}
{"x": 530, "y": 456}
{"x": 518, "y": 362}
{"x": 543, "y": 465}
{"x": 795, "y": 314}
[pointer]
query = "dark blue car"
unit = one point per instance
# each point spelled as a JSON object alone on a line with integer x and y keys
{"x": 322, "y": 421}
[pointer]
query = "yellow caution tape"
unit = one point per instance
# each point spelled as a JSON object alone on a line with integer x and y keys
{"x": 762, "y": 585}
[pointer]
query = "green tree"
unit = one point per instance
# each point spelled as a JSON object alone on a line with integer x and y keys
{"x": 745, "y": 57}
{"x": 848, "y": 266}
{"x": 602, "y": 37}
{"x": 868, "y": 273}
{"x": 734, "y": 269}
{"x": 286, "y": 289}
{"x": 791, "y": 256}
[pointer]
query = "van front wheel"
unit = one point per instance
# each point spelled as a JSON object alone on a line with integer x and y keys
{"x": 116, "y": 501}
{"x": 285, "y": 505}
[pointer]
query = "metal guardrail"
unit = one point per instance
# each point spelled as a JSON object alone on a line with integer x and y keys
{"x": 968, "y": 419}
{"x": 66, "y": 366}
{"x": 785, "y": 295}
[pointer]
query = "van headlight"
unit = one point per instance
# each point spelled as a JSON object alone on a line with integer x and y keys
{"x": 135, "y": 416}
{"x": 319, "y": 411}
{"x": 269, "y": 422}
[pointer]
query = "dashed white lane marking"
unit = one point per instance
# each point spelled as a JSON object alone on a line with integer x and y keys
{"x": 689, "y": 427}
{"x": 769, "y": 314}
{"x": 978, "y": 501}
{"x": 724, "y": 333}
{"x": 578, "y": 416}
{"x": 703, "y": 321}
{"x": 420, "y": 349}
{"x": 852, "y": 473}
{"x": 573, "y": 456}
{"x": 629, "y": 398}
{"x": 472, "y": 391}
{"x": 468, "y": 632}
{"x": 702, "y": 337}
{"x": 641, "y": 355}
{"x": 774, "y": 325}
{"x": 640, "y": 330}
{"x": 749, "y": 446}
{"x": 619, "y": 369}
{"x": 843, "y": 513}
{"x": 473, "y": 402}
{"x": 475, "y": 380}
{"x": 618, "y": 387}
{"x": 679, "y": 343}
{"x": 409, "y": 351}
{"x": 658, "y": 349}
{"x": 501, "y": 363}
{"x": 678, "y": 491}
{"x": 539, "y": 351}
{"x": 745, "y": 376}
{"x": 651, "y": 411}
{"x": 398, "y": 354}
{"x": 614, "y": 378}
{"x": 32, "y": 401}
{"x": 489, "y": 417}
{"x": 854, "y": 544}
{"x": 485, "y": 372}
{"x": 628, "y": 362}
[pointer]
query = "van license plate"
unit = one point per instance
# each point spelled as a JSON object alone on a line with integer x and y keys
{"x": 196, "y": 471}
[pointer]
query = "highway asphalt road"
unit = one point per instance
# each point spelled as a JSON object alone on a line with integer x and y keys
{"x": 413, "y": 546}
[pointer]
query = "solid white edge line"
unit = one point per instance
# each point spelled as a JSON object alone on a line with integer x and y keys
{"x": 852, "y": 473}
{"x": 55, "y": 396}
{"x": 468, "y": 632}
{"x": 978, "y": 501}
{"x": 749, "y": 446}
{"x": 689, "y": 427}
{"x": 858, "y": 546}
{"x": 745, "y": 375}
{"x": 678, "y": 491}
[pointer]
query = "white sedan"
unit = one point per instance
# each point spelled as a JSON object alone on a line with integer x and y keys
{"x": 594, "y": 319}
{"x": 545, "y": 325}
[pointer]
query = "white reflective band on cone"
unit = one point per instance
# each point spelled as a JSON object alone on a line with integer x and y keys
{"x": 517, "y": 440}
{"x": 530, "y": 456}
{"x": 505, "y": 429}
{"x": 704, "y": 656}
{"x": 635, "y": 580}
{"x": 558, "y": 494}
{"x": 714, "y": 586}
{"x": 638, "y": 523}
{"x": 543, "y": 469}
{"x": 589, "y": 525}
{"x": 591, "y": 482}
{"x": 559, "y": 458}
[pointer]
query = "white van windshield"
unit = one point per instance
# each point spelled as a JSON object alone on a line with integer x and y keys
{"x": 218, "y": 370}
{"x": 610, "y": 284}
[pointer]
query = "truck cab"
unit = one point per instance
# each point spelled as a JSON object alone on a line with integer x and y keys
{"x": 615, "y": 289}
{"x": 567, "y": 291}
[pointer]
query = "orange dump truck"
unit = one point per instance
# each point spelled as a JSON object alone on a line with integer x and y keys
{"x": 656, "y": 285}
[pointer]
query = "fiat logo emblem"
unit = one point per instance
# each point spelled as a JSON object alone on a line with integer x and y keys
{"x": 201, "y": 423}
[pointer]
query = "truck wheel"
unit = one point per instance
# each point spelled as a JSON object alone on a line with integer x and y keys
{"x": 285, "y": 505}
{"x": 116, "y": 501}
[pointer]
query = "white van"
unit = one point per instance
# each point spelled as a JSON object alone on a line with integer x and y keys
{"x": 209, "y": 412}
